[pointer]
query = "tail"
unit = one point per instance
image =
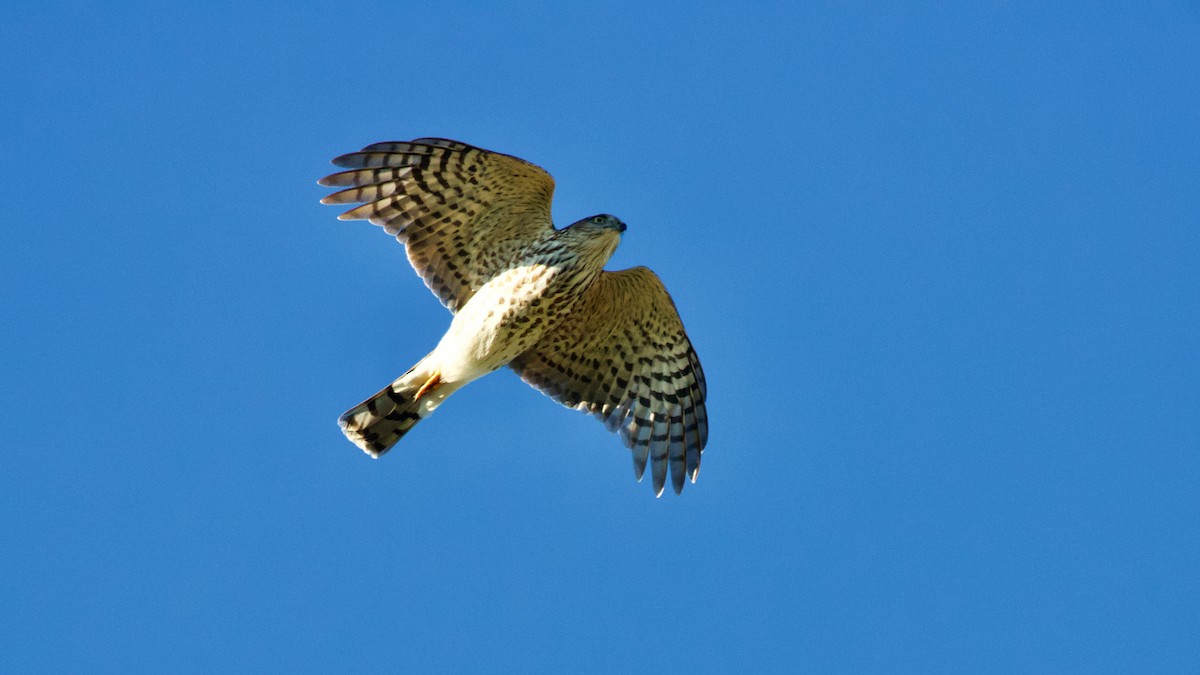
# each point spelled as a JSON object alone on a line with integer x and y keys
{"x": 376, "y": 424}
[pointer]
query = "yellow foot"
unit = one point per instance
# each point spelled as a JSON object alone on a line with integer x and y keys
{"x": 430, "y": 384}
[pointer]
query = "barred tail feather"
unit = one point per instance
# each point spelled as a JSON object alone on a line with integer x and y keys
{"x": 378, "y": 423}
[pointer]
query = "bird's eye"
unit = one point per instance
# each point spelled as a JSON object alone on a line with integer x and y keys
{"x": 598, "y": 219}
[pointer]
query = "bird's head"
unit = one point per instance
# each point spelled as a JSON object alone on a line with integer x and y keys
{"x": 600, "y": 223}
{"x": 595, "y": 237}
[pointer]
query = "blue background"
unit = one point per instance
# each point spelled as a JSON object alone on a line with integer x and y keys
{"x": 940, "y": 264}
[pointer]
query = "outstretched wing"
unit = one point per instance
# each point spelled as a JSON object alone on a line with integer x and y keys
{"x": 463, "y": 213}
{"x": 622, "y": 355}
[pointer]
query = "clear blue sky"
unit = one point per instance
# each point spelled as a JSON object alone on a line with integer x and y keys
{"x": 940, "y": 263}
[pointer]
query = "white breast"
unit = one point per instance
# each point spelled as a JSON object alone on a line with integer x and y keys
{"x": 501, "y": 321}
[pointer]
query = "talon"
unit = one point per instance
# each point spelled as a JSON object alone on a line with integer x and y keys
{"x": 430, "y": 384}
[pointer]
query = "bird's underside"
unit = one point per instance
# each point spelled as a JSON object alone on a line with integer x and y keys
{"x": 476, "y": 227}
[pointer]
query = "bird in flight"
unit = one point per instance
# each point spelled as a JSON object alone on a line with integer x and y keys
{"x": 476, "y": 227}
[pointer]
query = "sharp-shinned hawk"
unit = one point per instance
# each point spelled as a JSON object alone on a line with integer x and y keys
{"x": 477, "y": 228}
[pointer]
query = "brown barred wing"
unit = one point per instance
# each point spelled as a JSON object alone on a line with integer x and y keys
{"x": 463, "y": 213}
{"x": 622, "y": 355}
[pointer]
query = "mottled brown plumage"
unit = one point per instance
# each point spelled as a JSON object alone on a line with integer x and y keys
{"x": 476, "y": 226}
